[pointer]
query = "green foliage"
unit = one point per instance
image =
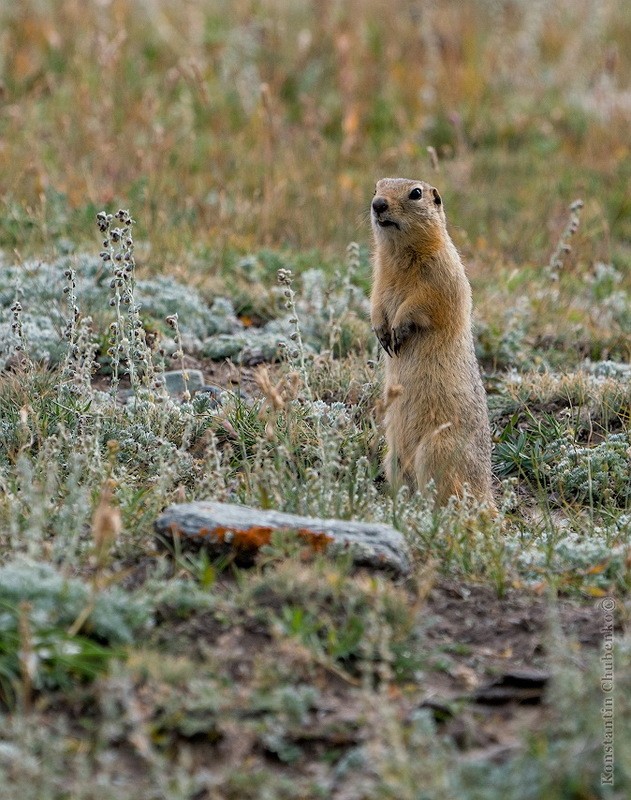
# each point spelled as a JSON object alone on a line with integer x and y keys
{"x": 550, "y": 459}
{"x": 56, "y": 600}
{"x": 48, "y": 658}
{"x": 365, "y": 626}
{"x": 599, "y": 475}
{"x": 38, "y": 606}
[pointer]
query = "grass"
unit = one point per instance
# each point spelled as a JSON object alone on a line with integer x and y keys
{"x": 245, "y": 139}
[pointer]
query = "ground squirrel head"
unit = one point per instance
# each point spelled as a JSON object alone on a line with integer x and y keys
{"x": 408, "y": 213}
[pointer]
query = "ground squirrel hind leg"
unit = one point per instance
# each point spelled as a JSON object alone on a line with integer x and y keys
{"x": 436, "y": 459}
{"x": 397, "y": 473}
{"x": 455, "y": 472}
{"x": 392, "y": 468}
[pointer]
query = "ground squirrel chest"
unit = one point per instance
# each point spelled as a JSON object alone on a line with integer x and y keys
{"x": 437, "y": 426}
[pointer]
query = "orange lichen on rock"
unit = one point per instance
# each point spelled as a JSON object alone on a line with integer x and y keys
{"x": 258, "y": 535}
{"x": 251, "y": 539}
{"x": 318, "y": 541}
{"x": 244, "y": 539}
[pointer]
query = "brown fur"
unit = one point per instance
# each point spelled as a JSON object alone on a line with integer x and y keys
{"x": 436, "y": 421}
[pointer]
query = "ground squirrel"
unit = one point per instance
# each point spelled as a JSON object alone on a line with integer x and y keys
{"x": 437, "y": 424}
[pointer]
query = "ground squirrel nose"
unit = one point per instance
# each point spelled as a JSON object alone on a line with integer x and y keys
{"x": 379, "y": 205}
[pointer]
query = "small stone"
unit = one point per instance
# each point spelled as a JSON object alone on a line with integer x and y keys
{"x": 178, "y": 381}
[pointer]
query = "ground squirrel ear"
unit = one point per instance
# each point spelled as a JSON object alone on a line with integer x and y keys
{"x": 437, "y": 198}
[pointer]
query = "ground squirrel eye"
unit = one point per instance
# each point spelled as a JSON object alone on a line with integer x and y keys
{"x": 416, "y": 194}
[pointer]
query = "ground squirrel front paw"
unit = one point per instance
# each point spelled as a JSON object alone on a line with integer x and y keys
{"x": 400, "y": 336}
{"x": 384, "y": 335}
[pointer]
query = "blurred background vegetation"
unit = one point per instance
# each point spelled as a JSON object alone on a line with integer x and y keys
{"x": 228, "y": 125}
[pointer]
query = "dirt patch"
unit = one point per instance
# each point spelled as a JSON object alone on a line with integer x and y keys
{"x": 490, "y": 634}
{"x": 491, "y": 662}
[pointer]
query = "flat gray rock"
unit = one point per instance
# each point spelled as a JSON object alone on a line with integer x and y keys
{"x": 224, "y": 527}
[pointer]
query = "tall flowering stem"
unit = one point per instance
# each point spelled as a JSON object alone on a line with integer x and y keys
{"x": 128, "y": 344}
{"x": 297, "y": 352}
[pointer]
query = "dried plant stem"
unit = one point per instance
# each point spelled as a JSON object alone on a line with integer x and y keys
{"x": 563, "y": 246}
{"x": 172, "y": 321}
